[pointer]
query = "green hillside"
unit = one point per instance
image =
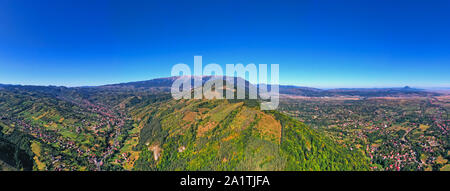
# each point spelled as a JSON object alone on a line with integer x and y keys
{"x": 218, "y": 135}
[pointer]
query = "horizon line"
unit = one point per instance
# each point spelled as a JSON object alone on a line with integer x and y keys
{"x": 431, "y": 87}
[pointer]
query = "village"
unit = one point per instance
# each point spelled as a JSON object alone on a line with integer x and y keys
{"x": 62, "y": 142}
{"x": 403, "y": 134}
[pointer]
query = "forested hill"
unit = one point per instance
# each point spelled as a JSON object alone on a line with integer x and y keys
{"x": 222, "y": 135}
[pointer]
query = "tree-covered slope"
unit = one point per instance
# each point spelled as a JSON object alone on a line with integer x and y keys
{"x": 223, "y": 135}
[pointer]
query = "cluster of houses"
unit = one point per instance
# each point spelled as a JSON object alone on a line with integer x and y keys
{"x": 109, "y": 125}
{"x": 392, "y": 134}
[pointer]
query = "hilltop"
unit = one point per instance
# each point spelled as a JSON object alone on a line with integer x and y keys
{"x": 222, "y": 135}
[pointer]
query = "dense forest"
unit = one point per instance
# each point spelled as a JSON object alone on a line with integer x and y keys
{"x": 217, "y": 135}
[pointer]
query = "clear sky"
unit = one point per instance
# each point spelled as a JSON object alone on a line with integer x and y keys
{"x": 320, "y": 43}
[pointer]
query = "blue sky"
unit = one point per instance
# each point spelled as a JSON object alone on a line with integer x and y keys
{"x": 347, "y": 43}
